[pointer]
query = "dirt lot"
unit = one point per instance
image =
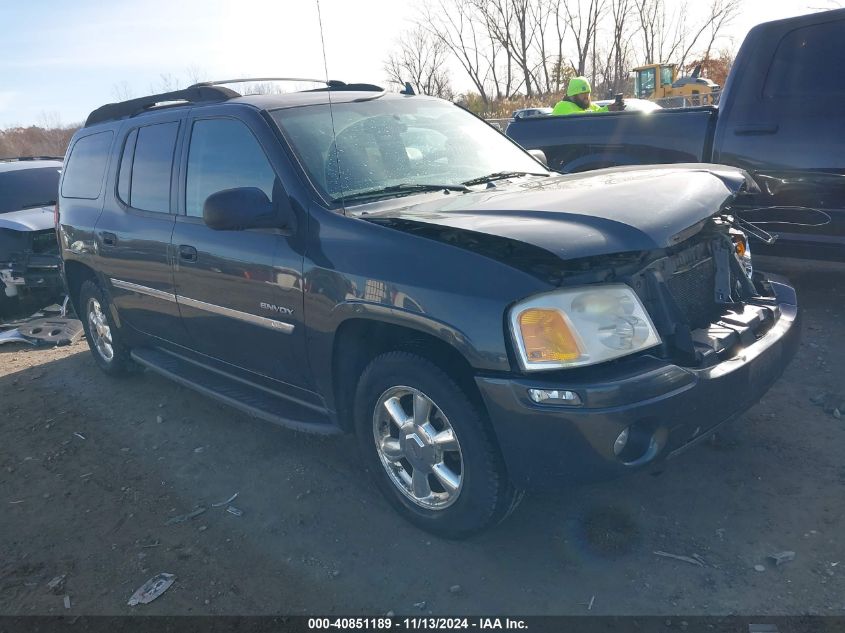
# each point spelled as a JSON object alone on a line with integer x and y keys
{"x": 315, "y": 536}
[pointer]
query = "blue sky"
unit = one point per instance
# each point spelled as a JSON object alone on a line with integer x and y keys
{"x": 63, "y": 59}
{"x": 60, "y": 60}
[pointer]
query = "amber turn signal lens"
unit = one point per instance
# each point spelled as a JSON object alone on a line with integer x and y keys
{"x": 739, "y": 243}
{"x": 547, "y": 337}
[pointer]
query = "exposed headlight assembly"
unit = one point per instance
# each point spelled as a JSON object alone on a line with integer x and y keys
{"x": 574, "y": 327}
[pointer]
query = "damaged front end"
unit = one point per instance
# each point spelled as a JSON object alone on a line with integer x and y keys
{"x": 704, "y": 297}
{"x": 29, "y": 271}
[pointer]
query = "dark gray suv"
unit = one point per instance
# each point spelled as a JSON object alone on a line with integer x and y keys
{"x": 344, "y": 260}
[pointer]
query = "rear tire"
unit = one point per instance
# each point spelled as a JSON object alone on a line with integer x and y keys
{"x": 104, "y": 339}
{"x": 429, "y": 448}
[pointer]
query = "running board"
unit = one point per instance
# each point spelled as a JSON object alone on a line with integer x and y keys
{"x": 252, "y": 400}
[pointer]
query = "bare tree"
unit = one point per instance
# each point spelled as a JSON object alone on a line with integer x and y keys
{"x": 583, "y": 24}
{"x": 669, "y": 37}
{"x": 421, "y": 60}
{"x": 121, "y": 91}
{"x": 457, "y": 25}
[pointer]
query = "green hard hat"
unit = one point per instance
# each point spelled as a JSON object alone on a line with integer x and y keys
{"x": 578, "y": 86}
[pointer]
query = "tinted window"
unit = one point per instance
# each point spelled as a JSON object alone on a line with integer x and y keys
{"x": 86, "y": 166}
{"x": 151, "y": 167}
{"x": 27, "y": 188}
{"x": 223, "y": 155}
{"x": 124, "y": 178}
{"x": 807, "y": 63}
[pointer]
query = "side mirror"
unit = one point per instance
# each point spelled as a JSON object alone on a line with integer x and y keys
{"x": 539, "y": 155}
{"x": 244, "y": 208}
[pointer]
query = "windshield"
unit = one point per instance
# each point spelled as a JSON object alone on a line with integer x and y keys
{"x": 26, "y": 188}
{"x": 390, "y": 142}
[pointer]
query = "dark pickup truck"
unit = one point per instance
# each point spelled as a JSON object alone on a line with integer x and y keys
{"x": 344, "y": 260}
{"x": 780, "y": 118}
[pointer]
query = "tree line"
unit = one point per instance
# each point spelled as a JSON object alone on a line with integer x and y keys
{"x": 511, "y": 49}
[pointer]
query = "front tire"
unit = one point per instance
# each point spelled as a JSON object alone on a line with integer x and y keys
{"x": 429, "y": 448}
{"x": 104, "y": 339}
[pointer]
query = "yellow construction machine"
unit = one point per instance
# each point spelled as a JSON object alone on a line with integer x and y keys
{"x": 660, "y": 82}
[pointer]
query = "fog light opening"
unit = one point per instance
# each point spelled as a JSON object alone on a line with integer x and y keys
{"x": 637, "y": 444}
{"x": 554, "y": 396}
{"x": 621, "y": 441}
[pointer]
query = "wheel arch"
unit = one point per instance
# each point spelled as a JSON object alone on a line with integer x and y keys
{"x": 358, "y": 341}
{"x": 76, "y": 273}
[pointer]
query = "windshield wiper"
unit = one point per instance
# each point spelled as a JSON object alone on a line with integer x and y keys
{"x": 500, "y": 175}
{"x": 38, "y": 204}
{"x": 403, "y": 188}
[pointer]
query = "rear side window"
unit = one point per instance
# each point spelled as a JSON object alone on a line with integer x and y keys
{"x": 224, "y": 154}
{"x": 808, "y": 62}
{"x": 144, "y": 178}
{"x": 86, "y": 166}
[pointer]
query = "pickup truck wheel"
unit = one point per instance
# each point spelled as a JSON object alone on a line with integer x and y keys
{"x": 429, "y": 448}
{"x": 103, "y": 337}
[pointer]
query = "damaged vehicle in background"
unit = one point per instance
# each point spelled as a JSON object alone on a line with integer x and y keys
{"x": 389, "y": 266}
{"x": 29, "y": 252}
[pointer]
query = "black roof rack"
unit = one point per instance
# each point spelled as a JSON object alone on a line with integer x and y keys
{"x": 206, "y": 92}
{"x": 244, "y": 80}
{"x": 331, "y": 84}
{"x": 192, "y": 94}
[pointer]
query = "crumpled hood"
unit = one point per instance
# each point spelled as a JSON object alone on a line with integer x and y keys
{"x": 37, "y": 219}
{"x": 606, "y": 211}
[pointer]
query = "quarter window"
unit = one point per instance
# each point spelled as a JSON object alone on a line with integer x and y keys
{"x": 86, "y": 166}
{"x": 224, "y": 154}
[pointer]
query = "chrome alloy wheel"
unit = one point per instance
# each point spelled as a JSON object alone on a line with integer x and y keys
{"x": 418, "y": 448}
{"x": 100, "y": 330}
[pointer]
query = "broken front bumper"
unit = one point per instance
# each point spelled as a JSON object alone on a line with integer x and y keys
{"x": 29, "y": 283}
{"x": 665, "y": 408}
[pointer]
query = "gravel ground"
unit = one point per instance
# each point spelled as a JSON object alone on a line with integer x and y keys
{"x": 92, "y": 469}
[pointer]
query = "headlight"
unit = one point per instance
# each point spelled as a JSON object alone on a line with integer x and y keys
{"x": 580, "y": 326}
{"x": 743, "y": 251}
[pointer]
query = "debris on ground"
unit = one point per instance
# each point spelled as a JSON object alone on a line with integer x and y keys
{"x": 235, "y": 511}
{"x": 455, "y": 589}
{"x": 830, "y": 402}
{"x": 779, "y": 558}
{"x": 43, "y": 332}
{"x": 420, "y": 605}
{"x": 80, "y": 436}
{"x": 227, "y": 502}
{"x": 759, "y": 568}
{"x": 13, "y": 336}
{"x": 159, "y": 419}
{"x": 590, "y": 606}
{"x": 151, "y": 589}
{"x": 185, "y": 517}
{"x": 67, "y": 602}
{"x": 695, "y": 559}
{"x": 57, "y": 585}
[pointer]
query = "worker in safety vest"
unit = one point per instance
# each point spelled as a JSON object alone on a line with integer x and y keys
{"x": 578, "y": 101}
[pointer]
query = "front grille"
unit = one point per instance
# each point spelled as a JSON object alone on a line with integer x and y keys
{"x": 693, "y": 289}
